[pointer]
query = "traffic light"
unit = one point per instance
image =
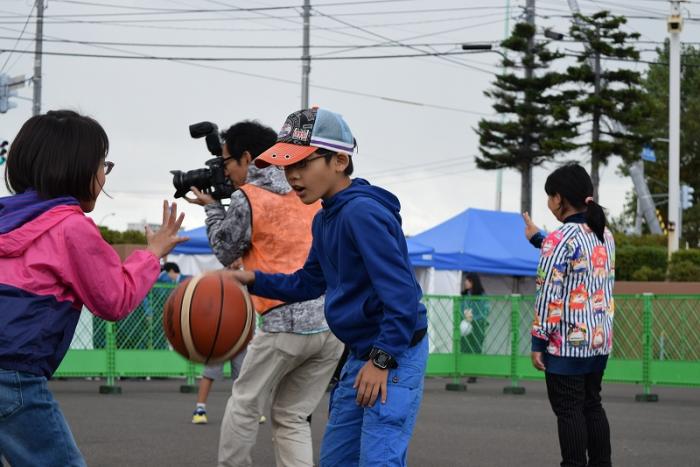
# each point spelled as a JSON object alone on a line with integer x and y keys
{"x": 3, "y": 151}
{"x": 6, "y": 92}
{"x": 687, "y": 192}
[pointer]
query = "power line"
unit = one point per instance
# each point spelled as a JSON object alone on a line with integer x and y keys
{"x": 337, "y": 30}
{"x": 24, "y": 28}
{"x": 428, "y": 177}
{"x": 398, "y": 42}
{"x": 242, "y": 10}
{"x": 240, "y": 46}
{"x": 384, "y": 98}
{"x": 244, "y": 59}
{"x": 438, "y": 164}
{"x": 296, "y": 23}
{"x": 146, "y": 11}
{"x": 635, "y": 8}
{"x": 630, "y": 60}
{"x": 380, "y": 36}
{"x": 323, "y": 5}
{"x": 402, "y": 43}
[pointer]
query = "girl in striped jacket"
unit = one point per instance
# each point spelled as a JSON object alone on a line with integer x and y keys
{"x": 574, "y": 308}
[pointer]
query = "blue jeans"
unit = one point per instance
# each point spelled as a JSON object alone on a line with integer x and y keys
{"x": 33, "y": 431}
{"x": 378, "y": 435}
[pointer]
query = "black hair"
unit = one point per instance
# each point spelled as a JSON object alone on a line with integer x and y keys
{"x": 57, "y": 154}
{"x": 328, "y": 154}
{"x": 250, "y": 136}
{"x": 167, "y": 267}
{"x": 477, "y": 288}
{"x": 574, "y": 185}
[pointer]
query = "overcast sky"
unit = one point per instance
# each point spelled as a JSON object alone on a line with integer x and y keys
{"x": 423, "y": 153}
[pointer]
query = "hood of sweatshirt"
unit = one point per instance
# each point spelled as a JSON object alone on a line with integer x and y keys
{"x": 26, "y": 216}
{"x": 361, "y": 188}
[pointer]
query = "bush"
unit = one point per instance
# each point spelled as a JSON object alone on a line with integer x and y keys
{"x": 624, "y": 240}
{"x": 691, "y": 256}
{"x": 647, "y": 274}
{"x": 685, "y": 266}
{"x": 114, "y": 237}
{"x": 684, "y": 271}
{"x": 631, "y": 259}
{"x": 134, "y": 237}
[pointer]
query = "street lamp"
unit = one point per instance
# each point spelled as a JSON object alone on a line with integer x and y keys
{"x": 477, "y": 46}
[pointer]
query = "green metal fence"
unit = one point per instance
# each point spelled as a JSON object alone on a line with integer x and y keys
{"x": 656, "y": 341}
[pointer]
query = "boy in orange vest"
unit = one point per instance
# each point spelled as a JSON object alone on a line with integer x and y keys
{"x": 289, "y": 364}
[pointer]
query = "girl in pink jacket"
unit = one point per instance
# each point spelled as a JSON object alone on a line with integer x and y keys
{"x": 53, "y": 261}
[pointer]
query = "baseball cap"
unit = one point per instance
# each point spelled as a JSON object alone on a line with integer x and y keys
{"x": 305, "y": 131}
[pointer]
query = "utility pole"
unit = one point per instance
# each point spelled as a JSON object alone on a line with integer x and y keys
{"x": 38, "y": 50}
{"x": 526, "y": 182}
{"x": 595, "y": 160}
{"x": 499, "y": 173}
{"x": 675, "y": 26}
{"x": 306, "y": 57}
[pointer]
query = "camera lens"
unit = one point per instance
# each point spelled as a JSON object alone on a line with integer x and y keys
{"x": 198, "y": 178}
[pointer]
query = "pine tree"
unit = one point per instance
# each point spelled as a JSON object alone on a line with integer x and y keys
{"x": 607, "y": 95}
{"x": 533, "y": 124}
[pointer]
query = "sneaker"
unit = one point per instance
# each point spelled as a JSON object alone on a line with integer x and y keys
{"x": 262, "y": 419}
{"x": 199, "y": 417}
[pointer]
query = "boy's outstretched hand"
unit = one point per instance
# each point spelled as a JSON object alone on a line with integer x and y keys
{"x": 530, "y": 227}
{"x": 161, "y": 242}
{"x": 244, "y": 277}
{"x": 369, "y": 383}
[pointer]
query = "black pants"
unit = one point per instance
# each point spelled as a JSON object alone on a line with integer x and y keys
{"x": 581, "y": 421}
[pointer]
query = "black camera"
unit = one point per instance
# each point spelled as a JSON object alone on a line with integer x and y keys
{"x": 212, "y": 179}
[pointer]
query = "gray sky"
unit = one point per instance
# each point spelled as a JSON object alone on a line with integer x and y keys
{"x": 423, "y": 153}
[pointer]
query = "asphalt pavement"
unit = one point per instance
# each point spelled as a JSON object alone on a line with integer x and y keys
{"x": 149, "y": 424}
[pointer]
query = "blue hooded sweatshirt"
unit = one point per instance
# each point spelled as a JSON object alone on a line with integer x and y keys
{"x": 359, "y": 259}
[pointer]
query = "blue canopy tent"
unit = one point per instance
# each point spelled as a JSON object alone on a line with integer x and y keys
{"x": 195, "y": 255}
{"x": 477, "y": 240}
{"x": 420, "y": 255}
{"x": 198, "y": 244}
{"x": 490, "y": 243}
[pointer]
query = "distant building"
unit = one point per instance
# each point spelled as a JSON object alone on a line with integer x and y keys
{"x": 141, "y": 226}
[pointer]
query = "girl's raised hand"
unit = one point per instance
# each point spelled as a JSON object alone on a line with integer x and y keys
{"x": 163, "y": 241}
{"x": 530, "y": 227}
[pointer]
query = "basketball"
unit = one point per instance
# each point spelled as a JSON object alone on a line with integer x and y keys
{"x": 209, "y": 318}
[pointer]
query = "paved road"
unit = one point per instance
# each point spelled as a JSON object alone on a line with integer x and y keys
{"x": 149, "y": 425}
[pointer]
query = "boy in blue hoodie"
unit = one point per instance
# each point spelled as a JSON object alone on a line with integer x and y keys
{"x": 359, "y": 259}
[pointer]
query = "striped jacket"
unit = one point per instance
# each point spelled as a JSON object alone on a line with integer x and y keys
{"x": 574, "y": 306}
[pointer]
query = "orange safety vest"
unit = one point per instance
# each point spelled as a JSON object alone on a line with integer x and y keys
{"x": 280, "y": 235}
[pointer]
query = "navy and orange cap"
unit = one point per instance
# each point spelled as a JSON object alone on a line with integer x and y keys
{"x": 303, "y": 133}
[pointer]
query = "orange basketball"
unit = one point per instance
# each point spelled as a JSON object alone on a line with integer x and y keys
{"x": 209, "y": 318}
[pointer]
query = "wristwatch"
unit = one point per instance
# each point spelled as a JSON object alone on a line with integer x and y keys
{"x": 382, "y": 360}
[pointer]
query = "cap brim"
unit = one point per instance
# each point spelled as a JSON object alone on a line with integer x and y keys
{"x": 283, "y": 154}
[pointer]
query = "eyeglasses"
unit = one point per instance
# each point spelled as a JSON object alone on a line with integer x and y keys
{"x": 108, "y": 165}
{"x": 301, "y": 165}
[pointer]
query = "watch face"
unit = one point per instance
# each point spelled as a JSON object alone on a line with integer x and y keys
{"x": 381, "y": 360}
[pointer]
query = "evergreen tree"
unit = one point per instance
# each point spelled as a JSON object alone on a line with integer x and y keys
{"x": 533, "y": 124}
{"x": 606, "y": 93}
